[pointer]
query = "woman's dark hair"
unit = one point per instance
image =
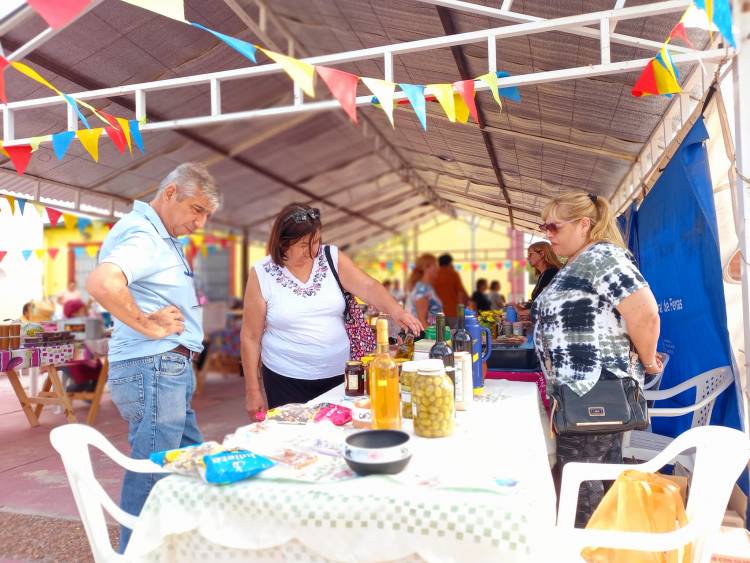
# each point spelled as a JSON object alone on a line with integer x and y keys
{"x": 294, "y": 222}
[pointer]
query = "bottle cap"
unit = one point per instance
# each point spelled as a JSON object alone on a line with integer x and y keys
{"x": 411, "y": 366}
{"x": 433, "y": 365}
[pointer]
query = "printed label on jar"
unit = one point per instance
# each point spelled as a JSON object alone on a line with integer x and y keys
{"x": 362, "y": 415}
{"x": 352, "y": 382}
{"x": 459, "y": 384}
{"x": 405, "y": 396}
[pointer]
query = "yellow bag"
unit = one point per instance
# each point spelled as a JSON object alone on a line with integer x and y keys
{"x": 639, "y": 502}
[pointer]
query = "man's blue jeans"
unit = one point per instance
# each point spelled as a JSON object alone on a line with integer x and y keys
{"x": 153, "y": 395}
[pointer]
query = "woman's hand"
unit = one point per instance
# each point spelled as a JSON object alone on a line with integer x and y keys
{"x": 655, "y": 369}
{"x": 408, "y": 322}
{"x": 255, "y": 405}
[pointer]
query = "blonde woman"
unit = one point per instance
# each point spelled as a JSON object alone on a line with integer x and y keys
{"x": 545, "y": 262}
{"x": 586, "y": 319}
{"x": 422, "y": 301}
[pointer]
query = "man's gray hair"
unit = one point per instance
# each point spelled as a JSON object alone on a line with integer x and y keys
{"x": 190, "y": 178}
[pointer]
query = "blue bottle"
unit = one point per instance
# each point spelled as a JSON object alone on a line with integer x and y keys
{"x": 481, "y": 348}
{"x": 511, "y": 315}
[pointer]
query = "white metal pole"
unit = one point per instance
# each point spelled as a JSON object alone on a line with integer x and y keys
{"x": 473, "y": 227}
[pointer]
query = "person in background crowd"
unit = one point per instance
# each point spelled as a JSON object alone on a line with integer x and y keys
{"x": 293, "y": 322}
{"x": 449, "y": 288}
{"x": 145, "y": 281}
{"x": 387, "y": 285}
{"x": 27, "y": 311}
{"x": 586, "y": 320}
{"x": 497, "y": 299}
{"x": 423, "y": 301}
{"x": 70, "y": 294}
{"x": 84, "y": 373}
{"x": 546, "y": 264}
{"x": 480, "y": 298}
{"x": 396, "y": 292}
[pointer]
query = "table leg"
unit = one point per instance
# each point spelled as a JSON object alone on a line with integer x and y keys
{"x": 22, "y": 397}
{"x": 33, "y": 381}
{"x": 96, "y": 399}
{"x": 61, "y": 394}
{"x": 45, "y": 391}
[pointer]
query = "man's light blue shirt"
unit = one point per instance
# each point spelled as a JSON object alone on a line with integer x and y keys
{"x": 158, "y": 275}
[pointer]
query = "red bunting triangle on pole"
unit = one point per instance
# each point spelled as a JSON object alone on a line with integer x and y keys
{"x": 679, "y": 31}
{"x": 646, "y": 83}
{"x": 343, "y": 86}
{"x": 58, "y": 14}
{"x": 117, "y": 137}
{"x": 54, "y": 216}
{"x": 2, "y": 254}
{"x": 52, "y": 252}
{"x": 3, "y": 65}
{"x": 466, "y": 89}
{"x": 20, "y": 155}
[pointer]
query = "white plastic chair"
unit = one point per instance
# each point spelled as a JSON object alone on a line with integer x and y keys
{"x": 721, "y": 455}
{"x": 72, "y": 442}
{"x": 644, "y": 445}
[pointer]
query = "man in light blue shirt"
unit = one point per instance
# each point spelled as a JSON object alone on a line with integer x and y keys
{"x": 144, "y": 280}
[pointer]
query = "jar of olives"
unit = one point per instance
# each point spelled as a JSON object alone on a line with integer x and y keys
{"x": 432, "y": 401}
{"x": 408, "y": 373}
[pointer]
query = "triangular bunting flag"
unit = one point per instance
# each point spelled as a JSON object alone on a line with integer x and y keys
{"x": 204, "y": 250}
{"x": 678, "y": 31}
{"x": 415, "y": 94}
{"x": 695, "y": 17}
{"x": 58, "y": 14}
{"x": 12, "y": 203}
{"x": 92, "y": 250}
{"x": 70, "y": 220}
{"x": 665, "y": 60}
{"x": 36, "y": 141}
{"x": 174, "y": 9}
{"x": 74, "y": 105}
{"x": 90, "y": 140}
{"x": 21, "y": 204}
{"x": 2, "y": 254}
{"x": 3, "y": 65}
{"x": 302, "y": 73}
{"x": 61, "y": 142}
{"x": 224, "y": 243}
{"x": 53, "y": 215}
{"x": 383, "y": 91}
{"x": 490, "y": 79}
{"x": 125, "y": 128}
{"x": 462, "y": 110}
{"x": 135, "y": 133}
{"x": 646, "y": 83}
{"x": 117, "y": 137}
{"x": 79, "y": 251}
{"x": 512, "y": 92}
{"x": 466, "y": 89}
{"x": 53, "y": 252}
{"x": 109, "y": 225}
{"x": 444, "y": 95}
{"x": 212, "y": 250}
{"x": 19, "y": 155}
{"x": 242, "y": 47}
{"x": 40, "y": 209}
{"x": 719, "y": 13}
{"x": 343, "y": 86}
{"x": 83, "y": 224}
{"x": 39, "y": 253}
{"x": 26, "y": 254}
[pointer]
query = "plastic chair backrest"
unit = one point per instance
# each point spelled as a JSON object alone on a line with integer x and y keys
{"x": 72, "y": 442}
{"x": 709, "y": 383}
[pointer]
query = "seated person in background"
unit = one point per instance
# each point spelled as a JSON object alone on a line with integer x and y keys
{"x": 84, "y": 373}
{"x": 480, "y": 298}
{"x": 497, "y": 299}
{"x": 27, "y": 310}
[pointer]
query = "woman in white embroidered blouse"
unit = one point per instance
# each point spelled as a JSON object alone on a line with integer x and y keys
{"x": 293, "y": 325}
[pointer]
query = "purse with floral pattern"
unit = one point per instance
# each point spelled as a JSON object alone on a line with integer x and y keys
{"x": 361, "y": 337}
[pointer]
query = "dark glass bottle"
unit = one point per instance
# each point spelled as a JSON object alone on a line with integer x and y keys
{"x": 461, "y": 338}
{"x": 440, "y": 349}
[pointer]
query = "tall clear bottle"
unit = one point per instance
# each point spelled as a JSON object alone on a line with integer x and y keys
{"x": 384, "y": 384}
{"x": 461, "y": 338}
{"x": 440, "y": 350}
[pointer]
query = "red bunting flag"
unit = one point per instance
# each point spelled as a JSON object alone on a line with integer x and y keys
{"x": 54, "y": 216}
{"x": 679, "y": 31}
{"x": 52, "y": 252}
{"x": 474, "y": 266}
{"x": 3, "y": 65}
{"x": 58, "y": 14}
{"x": 117, "y": 137}
{"x": 466, "y": 89}
{"x": 20, "y": 155}
{"x": 646, "y": 82}
{"x": 224, "y": 243}
{"x": 2, "y": 254}
{"x": 110, "y": 225}
{"x": 343, "y": 86}
{"x": 499, "y": 265}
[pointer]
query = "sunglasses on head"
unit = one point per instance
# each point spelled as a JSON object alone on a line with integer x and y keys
{"x": 303, "y": 215}
{"x": 552, "y": 227}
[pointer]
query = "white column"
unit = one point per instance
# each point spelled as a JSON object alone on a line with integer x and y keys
{"x": 473, "y": 226}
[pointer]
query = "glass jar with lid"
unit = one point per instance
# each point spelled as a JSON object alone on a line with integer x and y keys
{"x": 433, "y": 405}
{"x": 408, "y": 373}
{"x": 354, "y": 379}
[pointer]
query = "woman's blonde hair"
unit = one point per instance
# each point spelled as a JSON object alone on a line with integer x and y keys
{"x": 548, "y": 255}
{"x": 422, "y": 264}
{"x": 574, "y": 206}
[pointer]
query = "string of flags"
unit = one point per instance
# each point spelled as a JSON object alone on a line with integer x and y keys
{"x": 459, "y": 265}
{"x": 660, "y": 76}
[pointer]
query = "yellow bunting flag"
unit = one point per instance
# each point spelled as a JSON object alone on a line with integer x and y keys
{"x": 444, "y": 95}
{"x": 302, "y": 73}
{"x": 90, "y": 140}
{"x": 462, "y": 110}
{"x": 2, "y": 150}
{"x": 34, "y": 75}
{"x": 40, "y": 209}
{"x": 204, "y": 250}
{"x": 174, "y": 9}
{"x": 92, "y": 251}
{"x": 383, "y": 91}
{"x": 490, "y": 79}
{"x": 39, "y": 253}
{"x": 125, "y": 126}
{"x": 12, "y": 202}
{"x": 36, "y": 141}
{"x": 70, "y": 221}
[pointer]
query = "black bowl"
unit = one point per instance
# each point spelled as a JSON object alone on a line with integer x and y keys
{"x": 372, "y": 452}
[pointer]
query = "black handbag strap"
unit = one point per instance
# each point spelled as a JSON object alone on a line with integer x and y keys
{"x": 327, "y": 250}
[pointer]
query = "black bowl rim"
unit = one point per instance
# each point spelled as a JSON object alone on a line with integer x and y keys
{"x": 405, "y": 438}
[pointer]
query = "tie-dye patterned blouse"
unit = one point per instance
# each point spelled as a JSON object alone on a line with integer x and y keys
{"x": 577, "y": 318}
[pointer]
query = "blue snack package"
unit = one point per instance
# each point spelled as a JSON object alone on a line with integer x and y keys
{"x": 232, "y": 466}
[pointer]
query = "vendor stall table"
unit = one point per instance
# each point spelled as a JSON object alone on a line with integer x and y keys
{"x": 483, "y": 494}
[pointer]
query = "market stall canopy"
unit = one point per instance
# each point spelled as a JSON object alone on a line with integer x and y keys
{"x": 369, "y": 179}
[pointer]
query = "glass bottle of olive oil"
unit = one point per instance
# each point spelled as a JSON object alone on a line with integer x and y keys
{"x": 384, "y": 384}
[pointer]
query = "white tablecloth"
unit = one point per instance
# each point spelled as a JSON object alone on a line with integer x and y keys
{"x": 483, "y": 494}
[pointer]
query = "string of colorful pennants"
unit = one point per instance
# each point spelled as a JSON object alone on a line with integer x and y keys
{"x": 511, "y": 265}
{"x": 660, "y": 76}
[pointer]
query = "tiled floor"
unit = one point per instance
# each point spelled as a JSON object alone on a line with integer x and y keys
{"x": 38, "y": 517}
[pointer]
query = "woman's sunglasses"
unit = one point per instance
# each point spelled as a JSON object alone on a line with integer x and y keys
{"x": 552, "y": 228}
{"x": 303, "y": 215}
